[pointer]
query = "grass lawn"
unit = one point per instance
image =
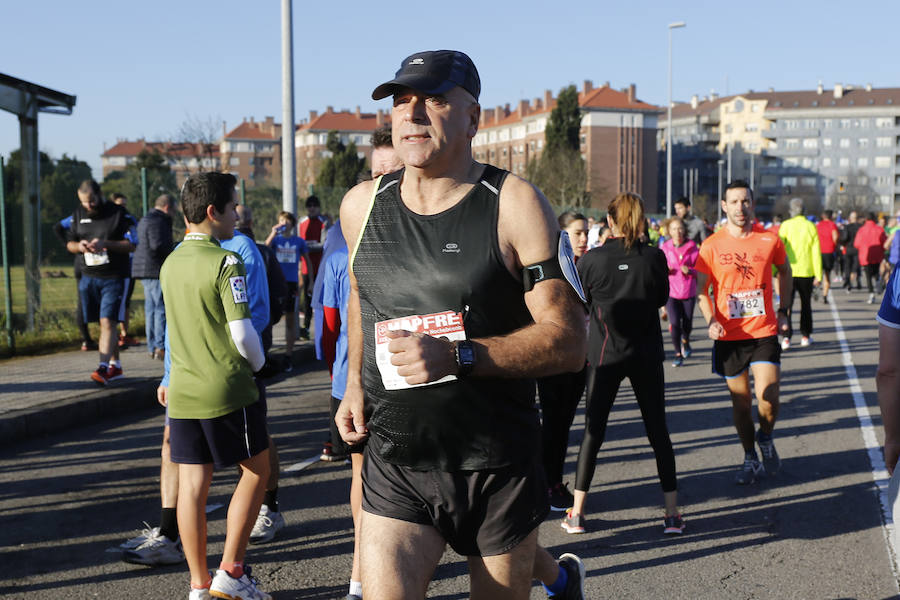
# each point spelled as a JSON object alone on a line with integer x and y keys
{"x": 55, "y": 319}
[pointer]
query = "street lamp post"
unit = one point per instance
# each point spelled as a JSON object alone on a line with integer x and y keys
{"x": 669, "y": 125}
{"x": 719, "y": 199}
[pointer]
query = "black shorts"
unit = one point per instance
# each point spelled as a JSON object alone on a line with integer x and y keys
{"x": 732, "y": 358}
{"x": 827, "y": 262}
{"x": 223, "y": 441}
{"x": 479, "y": 513}
{"x": 290, "y": 301}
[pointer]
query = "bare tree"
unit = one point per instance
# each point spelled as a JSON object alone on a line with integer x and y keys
{"x": 195, "y": 146}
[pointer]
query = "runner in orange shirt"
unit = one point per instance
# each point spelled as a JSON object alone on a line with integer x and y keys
{"x": 737, "y": 262}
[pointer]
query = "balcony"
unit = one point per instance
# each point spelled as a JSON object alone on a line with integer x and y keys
{"x": 782, "y": 152}
{"x": 773, "y": 133}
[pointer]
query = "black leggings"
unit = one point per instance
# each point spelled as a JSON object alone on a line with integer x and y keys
{"x": 559, "y": 396}
{"x": 681, "y": 317}
{"x": 803, "y": 287}
{"x": 871, "y": 276}
{"x": 648, "y": 385}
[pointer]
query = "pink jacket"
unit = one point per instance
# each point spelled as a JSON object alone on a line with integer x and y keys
{"x": 681, "y": 286}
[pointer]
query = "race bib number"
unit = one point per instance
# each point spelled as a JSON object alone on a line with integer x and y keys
{"x": 238, "y": 289}
{"x": 95, "y": 259}
{"x": 286, "y": 254}
{"x": 747, "y": 304}
{"x": 447, "y": 324}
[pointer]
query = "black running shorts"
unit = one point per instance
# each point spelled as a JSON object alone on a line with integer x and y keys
{"x": 827, "y": 262}
{"x": 732, "y": 358}
{"x": 223, "y": 441}
{"x": 479, "y": 513}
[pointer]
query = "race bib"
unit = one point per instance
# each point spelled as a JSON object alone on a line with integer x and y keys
{"x": 447, "y": 324}
{"x": 286, "y": 254}
{"x": 746, "y": 304}
{"x": 95, "y": 259}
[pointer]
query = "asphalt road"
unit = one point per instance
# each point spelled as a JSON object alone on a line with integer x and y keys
{"x": 815, "y": 531}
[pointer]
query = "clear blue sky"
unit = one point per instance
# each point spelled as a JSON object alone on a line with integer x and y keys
{"x": 142, "y": 69}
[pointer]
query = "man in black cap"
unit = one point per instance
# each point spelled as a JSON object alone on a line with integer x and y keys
{"x": 458, "y": 299}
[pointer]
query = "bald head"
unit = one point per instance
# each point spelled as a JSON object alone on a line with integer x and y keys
{"x": 245, "y": 216}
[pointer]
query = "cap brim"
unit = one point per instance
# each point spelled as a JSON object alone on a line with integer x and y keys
{"x": 417, "y": 82}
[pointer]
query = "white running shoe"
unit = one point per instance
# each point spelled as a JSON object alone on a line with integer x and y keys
{"x": 805, "y": 341}
{"x": 268, "y": 523}
{"x": 243, "y": 588}
{"x": 785, "y": 343}
{"x": 134, "y": 542}
{"x": 202, "y": 594}
{"x": 156, "y": 550}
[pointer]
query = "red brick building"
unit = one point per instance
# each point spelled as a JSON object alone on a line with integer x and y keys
{"x": 618, "y": 139}
{"x": 252, "y": 152}
{"x": 182, "y": 158}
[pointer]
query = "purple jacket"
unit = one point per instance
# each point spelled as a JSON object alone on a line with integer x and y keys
{"x": 681, "y": 286}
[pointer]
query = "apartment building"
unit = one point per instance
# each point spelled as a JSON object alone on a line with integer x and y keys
{"x": 252, "y": 152}
{"x": 617, "y": 139}
{"x": 837, "y": 148}
{"x": 311, "y": 138}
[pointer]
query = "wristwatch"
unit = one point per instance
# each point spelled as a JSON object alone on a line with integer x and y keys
{"x": 465, "y": 357}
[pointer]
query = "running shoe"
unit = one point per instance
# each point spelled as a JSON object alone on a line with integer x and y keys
{"x": 242, "y": 588}
{"x": 785, "y": 343}
{"x": 353, "y": 597}
{"x": 156, "y": 550}
{"x": 573, "y": 523}
{"x": 560, "y": 497}
{"x": 100, "y": 376}
{"x": 329, "y": 455}
{"x": 770, "y": 457}
{"x": 201, "y": 594}
{"x": 574, "y": 568}
{"x": 673, "y": 525}
{"x": 88, "y": 345}
{"x": 114, "y": 372}
{"x": 825, "y": 299}
{"x": 686, "y": 349}
{"x": 679, "y": 360}
{"x": 146, "y": 532}
{"x": 304, "y": 333}
{"x": 805, "y": 341}
{"x": 751, "y": 471}
{"x": 268, "y": 523}
{"x": 871, "y": 299}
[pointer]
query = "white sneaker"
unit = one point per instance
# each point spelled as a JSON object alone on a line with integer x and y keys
{"x": 156, "y": 550}
{"x": 268, "y": 523}
{"x": 243, "y": 588}
{"x": 871, "y": 299}
{"x": 805, "y": 341}
{"x": 134, "y": 542}
{"x": 202, "y": 594}
{"x": 785, "y": 343}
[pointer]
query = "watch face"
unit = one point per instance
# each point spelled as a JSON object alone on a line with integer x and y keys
{"x": 466, "y": 354}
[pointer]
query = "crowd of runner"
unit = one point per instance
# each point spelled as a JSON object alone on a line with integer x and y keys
{"x": 444, "y": 292}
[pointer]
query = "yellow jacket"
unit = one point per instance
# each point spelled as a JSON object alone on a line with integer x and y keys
{"x": 801, "y": 241}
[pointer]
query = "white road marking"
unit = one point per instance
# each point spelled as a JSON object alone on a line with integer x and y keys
{"x": 303, "y": 464}
{"x": 876, "y": 458}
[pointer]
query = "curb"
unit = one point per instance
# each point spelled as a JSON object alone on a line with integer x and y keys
{"x": 135, "y": 395}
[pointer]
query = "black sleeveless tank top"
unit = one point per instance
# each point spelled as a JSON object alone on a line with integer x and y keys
{"x": 410, "y": 264}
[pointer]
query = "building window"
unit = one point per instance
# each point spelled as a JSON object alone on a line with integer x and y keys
{"x": 827, "y": 123}
{"x": 810, "y": 143}
{"x": 809, "y": 163}
{"x": 844, "y": 161}
{"x": 883, "y": 180}
{"x": 786, "y": 181}
{"x": 881, "y": 122}
{"x": 751, "y": 127}
{"x": 862, "y": 161}
{"x": 883, "y": 142}
{"x": 251, "y": 161}
{"x": 862, "y": 180}
{"x": 826, "y": 142}
{"x": 754, "y": 108}
{"x": 845, "y": 123}
{"x": 791, "y": 143}
{"x": 808, "y": 181}
{"x": 845, "y": 142}
{"x": 826, "y": 162}
{"x": 882, "y": 162}
{"x": 863, "y": 142}
{"x": 728, "y": 128}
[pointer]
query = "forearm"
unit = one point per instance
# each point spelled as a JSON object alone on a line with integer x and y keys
{"x": 247, "y": 342}
{"x": 354, "y": 340}
{"x": 786, "y": 286}
{"x": 557, "y": 343}
{"x": 121, "y": 246}
{"x": 887, "y": 380}
{"x": 74, "y": 247}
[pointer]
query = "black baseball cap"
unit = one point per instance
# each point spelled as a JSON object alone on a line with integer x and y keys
{"x": 433, "y": 72}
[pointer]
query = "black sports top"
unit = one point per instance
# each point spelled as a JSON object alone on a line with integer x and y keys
{"x": 410, "y": 264}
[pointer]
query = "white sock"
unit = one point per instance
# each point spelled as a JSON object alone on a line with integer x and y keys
{"x": 356, "y": 588}
{"x": 115, "y": 363}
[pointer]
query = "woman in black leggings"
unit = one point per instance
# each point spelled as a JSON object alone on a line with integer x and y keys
{"x": 626, "y": 282}
{"x": 559, "y": 394}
